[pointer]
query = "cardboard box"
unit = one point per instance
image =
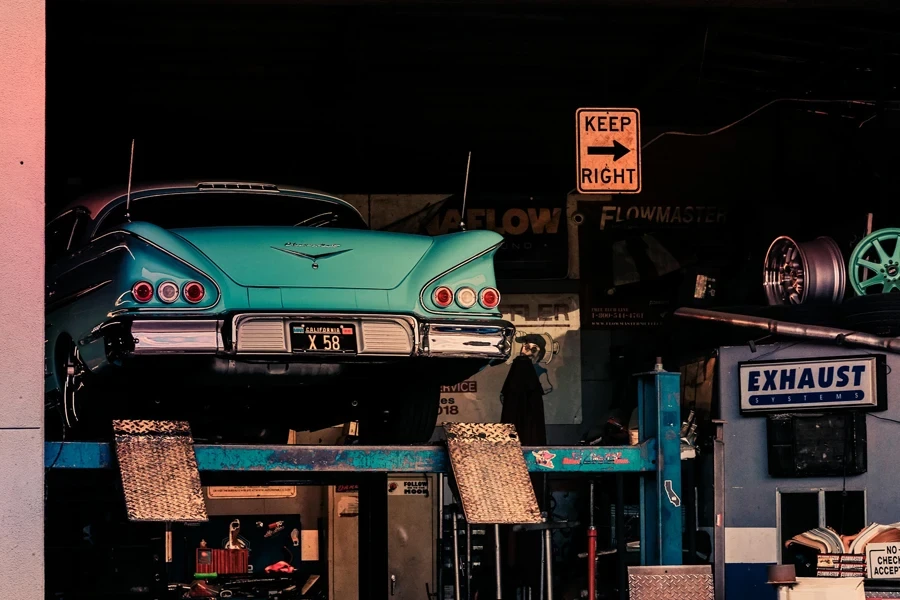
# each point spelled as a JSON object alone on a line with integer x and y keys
{"x": 820, "y": 588}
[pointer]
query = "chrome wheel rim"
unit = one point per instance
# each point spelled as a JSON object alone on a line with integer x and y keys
{"x": 811, "y": 272}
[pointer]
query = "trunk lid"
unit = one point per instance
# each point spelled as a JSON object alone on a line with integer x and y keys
{"x": 310, "y": 257}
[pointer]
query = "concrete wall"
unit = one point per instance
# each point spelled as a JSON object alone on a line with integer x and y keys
{"x": 22, "y": 67}
{"x": 751, "y": 540}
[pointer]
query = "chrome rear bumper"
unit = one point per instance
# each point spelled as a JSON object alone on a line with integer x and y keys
{"x": 260, "y": 335}
{"x": 176, "y": 337}
{"x": 463, "y": 340}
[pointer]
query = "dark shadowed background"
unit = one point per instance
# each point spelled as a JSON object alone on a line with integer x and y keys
{"x": 377, "y": 98}
{"x": 372, "y": 98}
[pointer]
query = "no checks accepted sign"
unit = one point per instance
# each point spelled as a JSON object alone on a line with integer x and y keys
{"x": 883, "y": 560}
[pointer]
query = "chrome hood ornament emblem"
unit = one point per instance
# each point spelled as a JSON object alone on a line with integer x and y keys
{"x": 313, "y": 257}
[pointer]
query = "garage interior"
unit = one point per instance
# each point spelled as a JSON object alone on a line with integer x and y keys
{"x": 695, "y": 395}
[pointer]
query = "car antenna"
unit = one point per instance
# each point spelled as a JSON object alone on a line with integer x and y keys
{"x": 128, "y": 193}
{"x": 462, "y": 215}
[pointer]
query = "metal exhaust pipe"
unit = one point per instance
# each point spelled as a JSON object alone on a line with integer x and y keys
{"x": 798, "y": 330}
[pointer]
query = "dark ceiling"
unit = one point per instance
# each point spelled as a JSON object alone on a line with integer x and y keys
{"x": 391, "y": 97}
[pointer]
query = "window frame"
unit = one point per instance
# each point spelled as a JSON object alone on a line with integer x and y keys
{"x": 820, "y": 491}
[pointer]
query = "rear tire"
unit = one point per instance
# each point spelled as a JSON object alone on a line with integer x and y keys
{"x": 218, "y": 423}
{"x": 408, "y": 417}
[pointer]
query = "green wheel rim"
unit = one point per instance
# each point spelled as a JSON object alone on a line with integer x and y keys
{"x": 875, "y": 263}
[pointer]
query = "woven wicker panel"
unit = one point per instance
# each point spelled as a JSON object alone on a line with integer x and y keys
{"x": 671, "y": 583}
{"x": 159, "y": 471}
{"x": 491, "y": 474}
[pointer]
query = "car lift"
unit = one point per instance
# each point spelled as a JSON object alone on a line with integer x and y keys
{"x": 160, "y": 468}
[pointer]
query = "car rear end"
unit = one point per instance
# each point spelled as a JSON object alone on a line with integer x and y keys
{"x": 312, "y": 300}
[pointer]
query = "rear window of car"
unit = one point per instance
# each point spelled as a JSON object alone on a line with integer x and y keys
{"x": 233, "y": 209}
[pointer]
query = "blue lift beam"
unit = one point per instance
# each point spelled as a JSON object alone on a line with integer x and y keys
{"x": 657, "y": 458}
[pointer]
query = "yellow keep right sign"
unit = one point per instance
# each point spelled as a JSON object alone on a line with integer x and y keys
{"x": 609, "y": 150}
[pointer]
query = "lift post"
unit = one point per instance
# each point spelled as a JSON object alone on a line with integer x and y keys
{"x": 659, "y": 418}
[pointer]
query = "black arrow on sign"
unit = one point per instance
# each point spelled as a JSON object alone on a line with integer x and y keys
{"x": 617, "y": 150}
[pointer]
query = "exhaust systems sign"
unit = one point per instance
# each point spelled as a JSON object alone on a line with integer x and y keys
{"x": 782, "y": 386}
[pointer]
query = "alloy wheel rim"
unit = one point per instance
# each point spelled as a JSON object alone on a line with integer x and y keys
{"x": 811, "y": 272}
{"x": 875, "y": 269}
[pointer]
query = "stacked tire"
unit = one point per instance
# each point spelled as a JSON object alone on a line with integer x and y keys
{"x": 878, "y": 314}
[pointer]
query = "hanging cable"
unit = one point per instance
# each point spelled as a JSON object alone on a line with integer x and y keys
{"x": 761, "y": 108}
{"x": 884, "y": 418}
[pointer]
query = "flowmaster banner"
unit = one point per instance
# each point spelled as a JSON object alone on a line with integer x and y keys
{"x": 639, "y": 258}
{"x": 534, "y": 227}
{"x": 791, "y": 385}
{"x": 548, "y": 331}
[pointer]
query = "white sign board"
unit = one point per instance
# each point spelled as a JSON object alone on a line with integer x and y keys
{"x": 883, "y": 560}
{"x": 548, "y": 329}
{"x": 816, "y": 383}
{"x": 408, "y": 487}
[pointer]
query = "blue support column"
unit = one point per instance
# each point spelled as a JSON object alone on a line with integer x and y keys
{"x": 659, "y": 417}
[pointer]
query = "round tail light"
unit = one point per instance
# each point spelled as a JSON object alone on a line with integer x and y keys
{"x": 466, "y": 297}
{"x": 194, "y": 292}
{"x": 489, "y": 298}
{"x": 167, "y": 292}
{"x": 443, "y": 296}
{"x": 142, "y": 291}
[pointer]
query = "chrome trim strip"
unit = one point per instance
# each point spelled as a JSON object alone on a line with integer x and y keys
{"x": 97, "y": 256}
{"x": 462, "y": 264}
{"x": 55, "y": 304}
{"x": 181, "y": 260}
{"x": 164, "y": 337}
{"x": 254, "y": 186}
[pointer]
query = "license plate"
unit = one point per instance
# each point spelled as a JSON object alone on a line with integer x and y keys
{"x": 323, "y": 338}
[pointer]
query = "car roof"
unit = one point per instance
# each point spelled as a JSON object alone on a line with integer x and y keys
{"x": 97, "y": 201}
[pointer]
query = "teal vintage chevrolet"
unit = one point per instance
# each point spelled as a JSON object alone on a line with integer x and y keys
{"x": 263, "y": 307}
